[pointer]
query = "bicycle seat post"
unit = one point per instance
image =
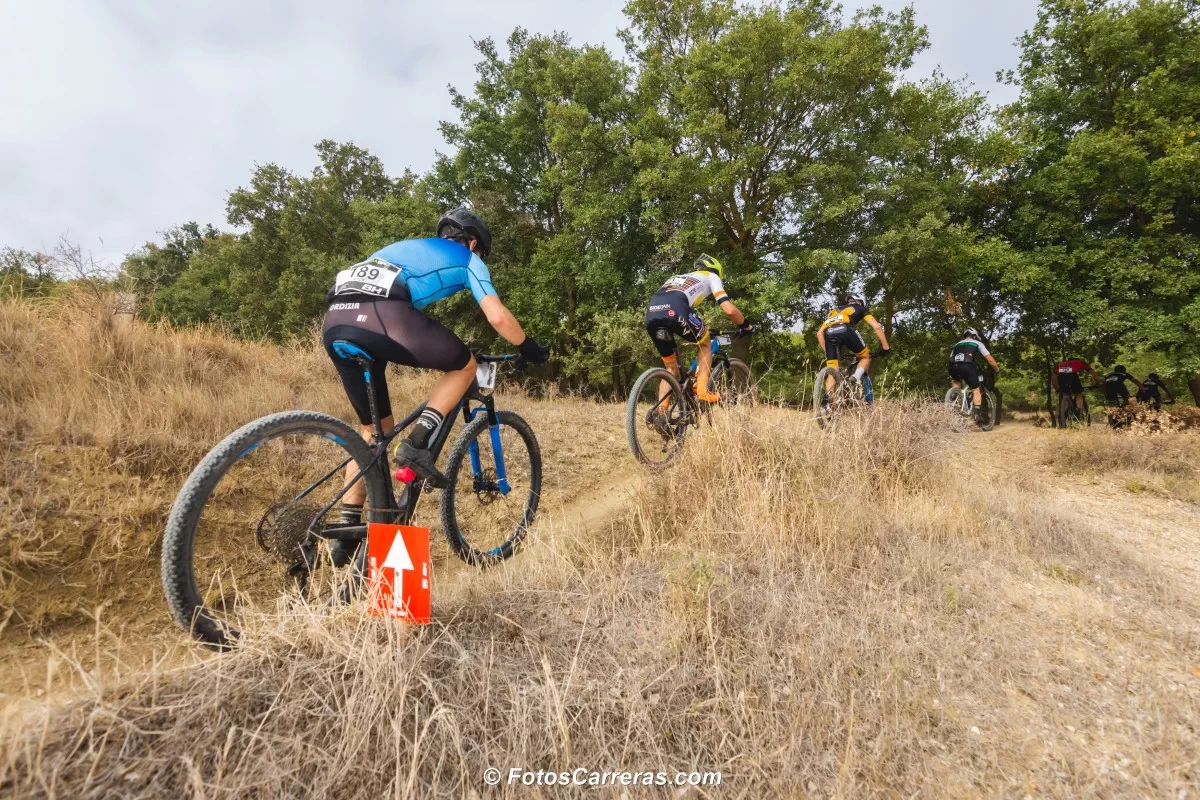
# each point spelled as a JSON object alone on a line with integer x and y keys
{"x": 376, "y": 422}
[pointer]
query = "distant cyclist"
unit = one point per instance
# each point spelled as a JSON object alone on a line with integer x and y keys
{"x": 1150, "y": 392}
{"x": 1066, "y": 378}
{"x": 1115, "y": 392}
{"x": 839, "y": 330}
{"x": 377, "y": 304}
{"x": 672, "y": 313}
{"x": 965, "y": 358}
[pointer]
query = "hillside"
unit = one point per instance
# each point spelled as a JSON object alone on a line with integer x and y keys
{"x": 883, "y": 611}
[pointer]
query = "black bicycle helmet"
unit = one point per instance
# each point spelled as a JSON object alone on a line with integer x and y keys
{"x": 855, "y": 299}
{"x": 467, "y": 221}
{"x": 1119, "y": 369}
{"x": 1154, "y": 377}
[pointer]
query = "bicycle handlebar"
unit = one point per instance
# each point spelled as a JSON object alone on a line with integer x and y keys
{"x": 488, "y": 359}
{"x": 736, "y": 333}
{"x": 516, "y": 359}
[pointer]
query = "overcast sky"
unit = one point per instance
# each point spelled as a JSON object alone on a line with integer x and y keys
{"x": 121, "y": 118}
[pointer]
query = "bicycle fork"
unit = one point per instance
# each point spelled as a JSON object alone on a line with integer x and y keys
{"x": 497, "y": 448}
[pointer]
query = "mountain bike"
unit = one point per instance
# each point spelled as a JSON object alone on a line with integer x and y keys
{"x": 657, "y": 417}
{"x": 847, "y": 394}
{"x": 960, "y": 404}
{"x": 1118, "y": 413}
{"x": 1069, "y": 416}
{"x": 248, "y": 530}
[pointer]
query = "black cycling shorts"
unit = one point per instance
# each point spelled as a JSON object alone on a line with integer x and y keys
{"x": 669, "y": 315}
{"x": 1069, "y": 382}
{"x": 847, "y": 336}
{"x": 393, "y": 332}
{"x": 1113, "y": 392}
{"x": 965, "y": 371}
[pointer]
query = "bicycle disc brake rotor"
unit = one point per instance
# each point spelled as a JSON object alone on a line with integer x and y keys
{"x": 283, "y": 530}
{"x": 486, "y": 488}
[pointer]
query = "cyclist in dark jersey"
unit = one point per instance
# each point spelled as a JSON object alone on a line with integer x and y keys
{"x": 1115, "y": 392}
{"x": 1149, "y": 393}
{"x": 965, "y": 357}
{"x": 1065, "y": 378}
{"x": 377, "y": 304}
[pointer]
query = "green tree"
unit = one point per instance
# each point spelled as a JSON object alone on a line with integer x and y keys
{"x": 26, "y": 273}
{"x": 1104, "y": 195}
{"x": 758, "y": 128}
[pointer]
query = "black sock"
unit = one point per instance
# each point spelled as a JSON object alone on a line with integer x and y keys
{"x": 424, "y": 427}
{"x": 351, "y": 513}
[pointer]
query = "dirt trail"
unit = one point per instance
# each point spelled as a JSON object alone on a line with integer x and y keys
{"x": 1163, "y": 530}
{"x": 55, "y": 666}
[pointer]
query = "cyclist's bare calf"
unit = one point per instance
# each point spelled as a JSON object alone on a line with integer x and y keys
{"x": 704, "y": 357}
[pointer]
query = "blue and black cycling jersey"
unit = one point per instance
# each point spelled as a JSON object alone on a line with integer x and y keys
{"x": 422, "y": 271}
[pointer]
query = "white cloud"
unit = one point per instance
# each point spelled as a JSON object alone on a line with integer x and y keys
{"x": 120, "y": 119}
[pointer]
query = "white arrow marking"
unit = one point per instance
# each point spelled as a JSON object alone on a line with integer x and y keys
{"x": 397, "y": 557}
{"x": 398, "y": 560}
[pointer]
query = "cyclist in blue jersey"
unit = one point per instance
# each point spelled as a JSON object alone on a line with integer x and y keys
{"x": 376, "y": 304}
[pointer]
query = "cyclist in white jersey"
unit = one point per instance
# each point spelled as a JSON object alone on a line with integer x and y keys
{"x": 672, "y": 312}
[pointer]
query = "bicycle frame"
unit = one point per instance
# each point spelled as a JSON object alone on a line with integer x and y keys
{"x": 845, "y": 367}
{"x": 719, "y": 356}
{"x": 402, "y": 511}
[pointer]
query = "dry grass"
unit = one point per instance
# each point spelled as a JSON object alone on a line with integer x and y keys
{"x": 99, "y": 424}
{"x": 855, "y": 614}
{"x": 1167, "y": 465}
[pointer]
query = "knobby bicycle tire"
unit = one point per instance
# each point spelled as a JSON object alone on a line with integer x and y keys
{"x": 632, "y": 421}
{"x": 454, "y": 462}
{"x": 825, "y": 414}
{"x": 178, "y": 576}
{"x": 989, "y": 407}
{"x": 739, "y": 375}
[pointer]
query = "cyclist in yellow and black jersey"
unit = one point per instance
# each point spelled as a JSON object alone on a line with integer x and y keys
{"x": 838, "y": 331}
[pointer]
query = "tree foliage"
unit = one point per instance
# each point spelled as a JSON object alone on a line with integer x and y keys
{"x": 788, "y": 141}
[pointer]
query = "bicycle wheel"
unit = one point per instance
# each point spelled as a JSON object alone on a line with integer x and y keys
{"x": 656, "y": 426}
{"x": 987, "y": 417}
{"x": 495, "y": 481}
{"x": 825, "y": 403}
{"x": 734, "y": 383}
{"x": 1066, "y": 405}
{"x": 954, "y": 405}
{"x": 238, "y": 539}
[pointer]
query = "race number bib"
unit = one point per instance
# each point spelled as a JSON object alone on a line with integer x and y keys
{"x": 485, "y": 375}
{"x": 373, "y": 276}
{"x": 1065, "y": 370}
{"x": 960, "y": 356}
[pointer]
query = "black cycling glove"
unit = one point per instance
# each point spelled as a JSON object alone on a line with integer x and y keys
{"x": 533, "y": 352}
{"x": 746, "y": 327}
